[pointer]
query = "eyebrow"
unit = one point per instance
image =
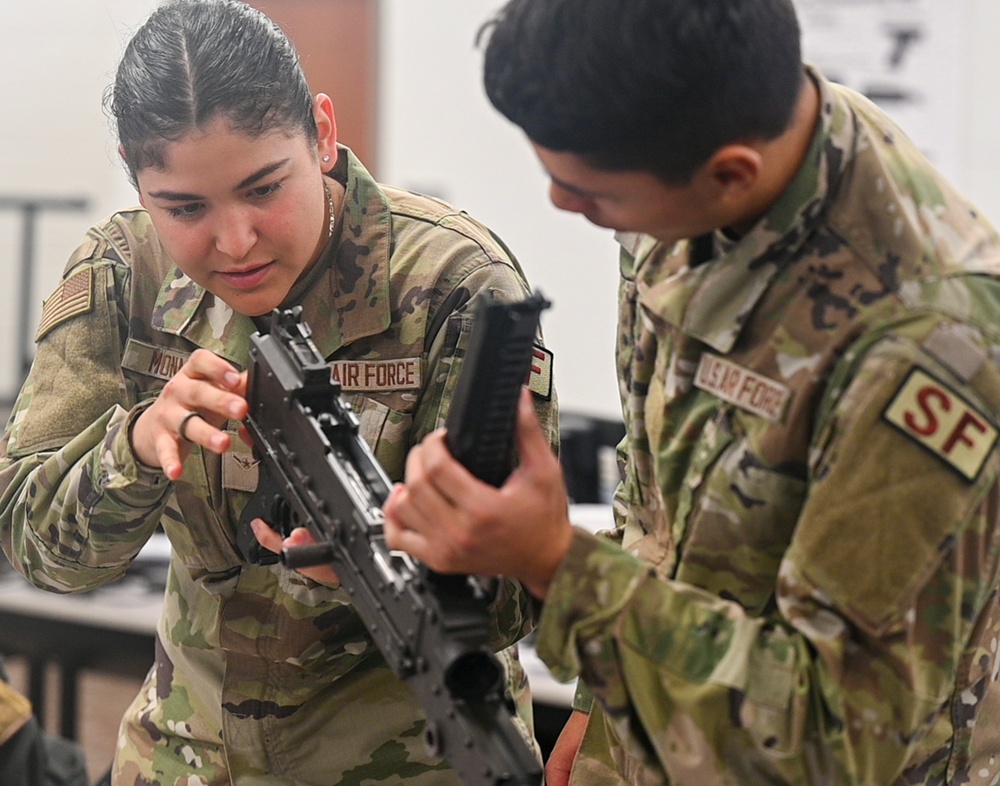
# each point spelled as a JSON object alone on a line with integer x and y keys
{"x": 260, "y": 174}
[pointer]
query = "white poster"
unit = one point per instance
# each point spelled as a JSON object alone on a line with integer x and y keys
{"x": 905, "y": 55}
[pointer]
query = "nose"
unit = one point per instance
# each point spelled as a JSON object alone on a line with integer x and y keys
{"x": 235, "y": 234}
{"x": 564, "y": 199}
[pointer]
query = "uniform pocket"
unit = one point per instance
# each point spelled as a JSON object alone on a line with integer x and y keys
{"x": 385, "y": 430}
{"x": 741, "y": 514}
{"x": 200, "y": 530}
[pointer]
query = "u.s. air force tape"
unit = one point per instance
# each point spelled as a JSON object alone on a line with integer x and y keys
{"x": 384, "y": 375}
{"x": 377, "y": 376}
{"x": 742, "y": 387}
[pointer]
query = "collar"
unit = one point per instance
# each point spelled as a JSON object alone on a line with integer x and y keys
{"x": 713, "y": 301}
{"x": 349, "y": 301}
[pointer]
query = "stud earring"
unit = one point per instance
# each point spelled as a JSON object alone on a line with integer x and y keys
{"x": 326, "y": 159}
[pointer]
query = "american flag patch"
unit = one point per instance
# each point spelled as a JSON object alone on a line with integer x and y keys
{"x": 74, "y": 296}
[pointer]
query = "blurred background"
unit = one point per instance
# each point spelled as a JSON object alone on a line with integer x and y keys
{"x": 405, "y": 79}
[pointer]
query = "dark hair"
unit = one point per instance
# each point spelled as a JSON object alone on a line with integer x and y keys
{"x": 650, "y": 85}
{"x": 193, "y": 61}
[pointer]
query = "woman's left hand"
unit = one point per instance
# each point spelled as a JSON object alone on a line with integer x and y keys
{"x": 272, "y": 541}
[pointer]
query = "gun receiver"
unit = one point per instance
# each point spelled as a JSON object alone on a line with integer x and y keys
{"x": 433, "y": 629}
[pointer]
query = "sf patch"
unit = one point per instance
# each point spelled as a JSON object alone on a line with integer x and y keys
{"x": 540, "y": 374}
{"x": 73, "y": 297}
{"x": 930, "y": 412}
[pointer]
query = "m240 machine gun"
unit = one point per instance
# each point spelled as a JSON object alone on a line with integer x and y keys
{"x": 316, "y": 471}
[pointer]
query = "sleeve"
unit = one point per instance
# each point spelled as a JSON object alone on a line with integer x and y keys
{"x": 449, "y": 344}
{"x": 515, "y": 609}
{"x": 75, "y": 506}
{"x": 882, "y": 602}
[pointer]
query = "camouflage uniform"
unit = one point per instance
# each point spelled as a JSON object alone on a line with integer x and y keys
{"x": 810, "y": 515}
{"x": 261, "y": 675}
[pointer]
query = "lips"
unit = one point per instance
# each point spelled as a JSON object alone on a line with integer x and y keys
{"x": 246, "y": 278}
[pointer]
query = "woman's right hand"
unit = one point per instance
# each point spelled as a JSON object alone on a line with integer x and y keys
{"x": 193, "y": 407}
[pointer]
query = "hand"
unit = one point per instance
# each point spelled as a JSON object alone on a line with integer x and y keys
{"x": 560, "y": 762}
{"x": 455, "y": 523}
{"x": 272, "y": 541}
{"x": 192, "y": 408}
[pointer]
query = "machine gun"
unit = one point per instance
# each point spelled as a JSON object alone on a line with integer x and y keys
{"x": 316, "y": 471}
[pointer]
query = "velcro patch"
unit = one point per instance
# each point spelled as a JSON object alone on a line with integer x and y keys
{"x": 356, "y": 376}
{"x": 742, "y": 387}
{"x": 74, "y": 296}
{"x": 540, "y": 376}
{"x": 151, "y": 360}
{"x": 929, "y": 412}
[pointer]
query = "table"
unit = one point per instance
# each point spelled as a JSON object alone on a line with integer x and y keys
{"x": 113, "y": 629}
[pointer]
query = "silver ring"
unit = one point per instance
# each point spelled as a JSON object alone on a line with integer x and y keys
{"x": 183, "y": 425}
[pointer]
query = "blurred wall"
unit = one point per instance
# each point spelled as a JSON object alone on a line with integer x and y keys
{"x": 436, "y": 133}
{"x": 56, "y": 58}
{"x": 439, "y": 134}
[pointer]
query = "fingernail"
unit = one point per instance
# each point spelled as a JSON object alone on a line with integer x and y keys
{"x": 232, "y": 378}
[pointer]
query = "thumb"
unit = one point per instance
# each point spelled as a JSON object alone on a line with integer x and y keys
{"x": 531, "y": 439}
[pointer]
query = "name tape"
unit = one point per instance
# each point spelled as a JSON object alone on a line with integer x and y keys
{"x": 151, "y": 360}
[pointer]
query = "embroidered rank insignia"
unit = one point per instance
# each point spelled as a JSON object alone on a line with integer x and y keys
{"x": 376, "y": 376}
{"x": 742, "y": 387}
{"x": 946, "y": 424}
{"x": 74, "y": 296}
{"x": 540, "y": 377}
{"x": 239, "y": 467}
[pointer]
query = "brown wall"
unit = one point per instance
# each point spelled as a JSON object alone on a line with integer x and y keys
{"x": 337, "y": 41}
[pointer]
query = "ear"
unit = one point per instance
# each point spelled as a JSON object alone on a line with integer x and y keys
{"x": 326, "y": 129}
{"x": 735, "y": 170}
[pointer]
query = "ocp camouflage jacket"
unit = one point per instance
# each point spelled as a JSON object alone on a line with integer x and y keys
{"x": 810, "y": 516}
{"x": 261, "y": 675}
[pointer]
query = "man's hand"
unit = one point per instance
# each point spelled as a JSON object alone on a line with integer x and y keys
{"x": 560, "y": 763}
{"x": 455, "y": 523}
{"x": 300, "y": 536}
{"x": 192, "y": 408}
